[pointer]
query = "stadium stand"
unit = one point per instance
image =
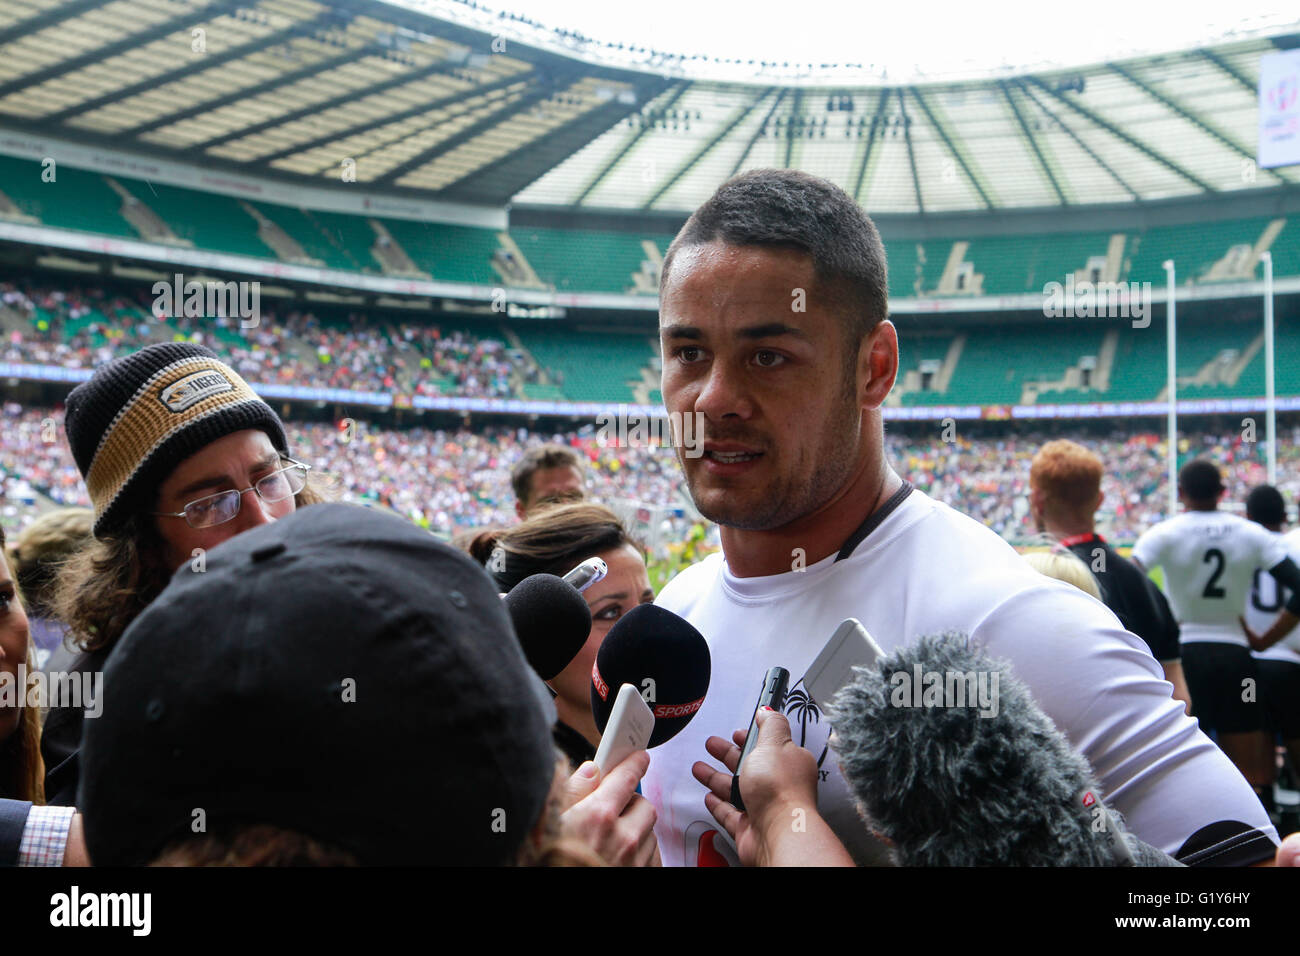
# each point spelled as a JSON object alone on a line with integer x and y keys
{"x": 586, "y": 260}
{"x": 453, "y": 480}
{"x": 591, "y": 368}
{"x": 593, "y": 261}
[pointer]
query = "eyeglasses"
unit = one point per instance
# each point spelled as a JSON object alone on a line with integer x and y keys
{"x": 224, "y": 505}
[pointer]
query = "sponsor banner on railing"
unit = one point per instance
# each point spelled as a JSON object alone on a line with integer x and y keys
{"x": 523, "y": 406}
{"x": 520, "y": 406}
{"x": 1198, "y": 406}
{"x": 295, "y": 393}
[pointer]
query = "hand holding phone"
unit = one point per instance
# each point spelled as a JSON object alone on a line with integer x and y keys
{"x": 631, "y": 723}
{"x": 772, "y": 696}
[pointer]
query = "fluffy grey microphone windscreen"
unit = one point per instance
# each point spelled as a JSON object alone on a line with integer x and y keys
{"x": 955, "y": 764}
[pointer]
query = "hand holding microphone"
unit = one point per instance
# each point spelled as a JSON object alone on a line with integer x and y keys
{"x": 608, "y": 815}
{"x": 779, "y": 784}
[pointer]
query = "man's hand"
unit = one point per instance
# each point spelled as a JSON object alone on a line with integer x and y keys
{"x": 782, "y": 826}
{"x": 1288, "y": 854}
{"x": 1256, "y": 642}
{"x": 1284, "y": 624}
{"x": 608, "y": 814}
{"x": 74, "y": 854}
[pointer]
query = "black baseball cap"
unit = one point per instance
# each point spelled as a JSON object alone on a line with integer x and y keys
{"x": 340, "y": 673}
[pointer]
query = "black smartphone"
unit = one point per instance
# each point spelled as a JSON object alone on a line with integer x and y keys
{"x": 772, "y": 695}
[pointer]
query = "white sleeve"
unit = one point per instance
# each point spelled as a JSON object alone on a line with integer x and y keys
{"x": 1106, "y": 693}
{"x": 1149, "y": 547}
{"x": 1272, "y": 548}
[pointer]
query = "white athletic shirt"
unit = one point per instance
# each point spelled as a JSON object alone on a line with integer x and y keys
{"x": 1209, "y": 559}
{"x": 1266, "y": 599}
{"x": 926, "y": 569}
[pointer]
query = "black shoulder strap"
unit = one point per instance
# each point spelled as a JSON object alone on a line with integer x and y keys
{"x": 874, "y": 519}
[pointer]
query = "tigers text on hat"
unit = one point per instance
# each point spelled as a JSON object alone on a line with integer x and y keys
{"x": 141, "y": 415}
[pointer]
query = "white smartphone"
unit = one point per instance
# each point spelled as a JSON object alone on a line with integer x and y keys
{"x": 832, "y": 670}
{"x": 631, "y": 723}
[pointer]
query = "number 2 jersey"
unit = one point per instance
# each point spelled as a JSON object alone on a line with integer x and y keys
{"x": 917, "y": 567}
{"x": 1209, "y": 560}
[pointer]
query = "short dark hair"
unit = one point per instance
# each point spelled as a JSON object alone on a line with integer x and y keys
{"x": 1200, "y": 480}
{"x": 786, "y": 207}
{"x": 1265, "y": 505}
{"x": 538, "y": 459}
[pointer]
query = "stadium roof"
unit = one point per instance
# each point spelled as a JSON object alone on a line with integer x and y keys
{"x": 427, "y": 106}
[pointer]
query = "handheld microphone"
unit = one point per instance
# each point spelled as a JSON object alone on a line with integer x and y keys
{"x": 955, "y": 764}
{"x": 663, "y": 657}
{"x": 587, "y": 573}
{"x": 552, "y": 621}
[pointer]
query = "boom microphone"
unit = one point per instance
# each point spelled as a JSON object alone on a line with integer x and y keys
{"x": 652, "y": 649}
{"x": 954, "y": 763}
{"x": 552, "y": 621}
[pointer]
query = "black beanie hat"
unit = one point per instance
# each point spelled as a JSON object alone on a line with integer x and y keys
{"x": 141, "y": 415}
{"x": 339, "y": 673}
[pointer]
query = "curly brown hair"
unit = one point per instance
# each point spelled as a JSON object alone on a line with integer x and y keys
{"x": 104, "y": 586}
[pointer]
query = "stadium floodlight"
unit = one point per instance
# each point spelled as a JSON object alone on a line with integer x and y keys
{"x": 1172, "y": 374}
{"x": 1270, "y": 395}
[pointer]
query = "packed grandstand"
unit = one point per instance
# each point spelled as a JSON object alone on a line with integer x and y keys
{"x": 264, "y": 260}
{"x": 469, "y": 265}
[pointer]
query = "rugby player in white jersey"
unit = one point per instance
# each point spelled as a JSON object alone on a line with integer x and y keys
{"x": 1209, "y": 558}
{"x": 773, "y": 306}
{"x": 1278, "y": 664}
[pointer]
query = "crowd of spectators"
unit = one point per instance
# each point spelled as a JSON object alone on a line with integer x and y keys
{"x": 455, "y": 480}
{"x": 85, "y": 328}
{"x": 988, "y": 478}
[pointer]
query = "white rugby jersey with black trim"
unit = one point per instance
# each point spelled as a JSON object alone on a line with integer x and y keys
{"x": 1209, "y": 560}
{"x": 915, "y": 568}
{"x": 1266, "y": 600}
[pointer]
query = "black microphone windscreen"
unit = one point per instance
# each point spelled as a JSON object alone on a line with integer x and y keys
{"x": 661, "y": 655}
{"x": 552, "y": 621}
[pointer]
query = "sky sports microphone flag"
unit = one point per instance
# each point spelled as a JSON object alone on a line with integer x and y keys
{"x": 661, "y": 655}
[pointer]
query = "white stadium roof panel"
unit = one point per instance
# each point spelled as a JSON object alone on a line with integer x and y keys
{"x": 430, "y": 106}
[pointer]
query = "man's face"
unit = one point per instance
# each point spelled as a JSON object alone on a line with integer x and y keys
{"x": 552, "y": 484}
{"x": 237, "y": 461}
{"x": 781, "y": 418}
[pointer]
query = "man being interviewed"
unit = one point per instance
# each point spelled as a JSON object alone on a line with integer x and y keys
{"x": 773, "y": 323}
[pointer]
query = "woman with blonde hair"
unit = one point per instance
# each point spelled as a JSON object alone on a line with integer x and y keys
{"x": 22, "y": 775}
{"x": 1064, "y": 566}
{"x": 35, "y": 556}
